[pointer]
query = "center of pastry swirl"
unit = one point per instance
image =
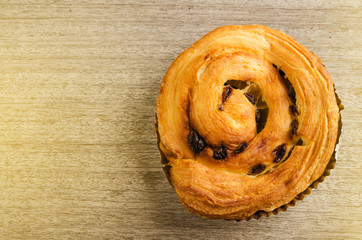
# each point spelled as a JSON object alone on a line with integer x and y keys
{"x": 236, "y": 123}
{"x": 228, "y": 101}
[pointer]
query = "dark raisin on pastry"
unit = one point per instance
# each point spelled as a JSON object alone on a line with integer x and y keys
{"x": 294, "y": 127}
{"x": 279, "y": 153}
{"x": 288, "y": 84}
{"x": 220, "y": 152}
{"x": 196, "y": 142}
{"x": 241, "y": 147}
{"x": 293, "y": 110}
{"x": 257, "y": 169}
{"x": 226, "y": 93}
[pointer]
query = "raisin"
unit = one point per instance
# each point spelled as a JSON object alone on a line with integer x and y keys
{"x": 241, "y": 148}
{"x": 251, "y": 98}
{"x": 279, "y": 153}
{"x": 220, "y": 152}
{"x": 291, "y": 94}
{"x": 293, "y": 110}
{"x": 294, "y": 127}
{"x": 196, "y": 142}
{"x": 258, "y": 168}
{"x": 300, "y": 142}
{"x": 226, "y": 93}
{"x": 288, "y": 84}
{"x": 221, "y": 107}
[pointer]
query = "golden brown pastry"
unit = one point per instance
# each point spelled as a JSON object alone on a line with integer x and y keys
{"x": 247, "y": 119}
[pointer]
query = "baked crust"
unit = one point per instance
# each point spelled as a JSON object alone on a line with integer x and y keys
{"x": 280, "y": 161}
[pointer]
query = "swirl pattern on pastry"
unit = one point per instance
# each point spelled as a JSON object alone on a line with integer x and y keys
{"x": 247, "y": 119}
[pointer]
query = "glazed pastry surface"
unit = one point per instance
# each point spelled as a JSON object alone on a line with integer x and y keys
{"x": 247, "y": 119}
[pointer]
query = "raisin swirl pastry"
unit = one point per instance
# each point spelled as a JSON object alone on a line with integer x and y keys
{"x": 247, "y": 121}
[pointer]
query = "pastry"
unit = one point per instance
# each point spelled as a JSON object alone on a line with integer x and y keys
{"x": 247, "y": 122}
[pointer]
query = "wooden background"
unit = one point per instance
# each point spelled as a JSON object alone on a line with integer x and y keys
{"x": 78, "y": 86}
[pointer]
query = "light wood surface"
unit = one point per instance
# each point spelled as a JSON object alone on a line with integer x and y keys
{"x": 78, "y": 86}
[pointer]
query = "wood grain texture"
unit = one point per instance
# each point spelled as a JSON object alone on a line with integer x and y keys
{"x": 78, "y": 87}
